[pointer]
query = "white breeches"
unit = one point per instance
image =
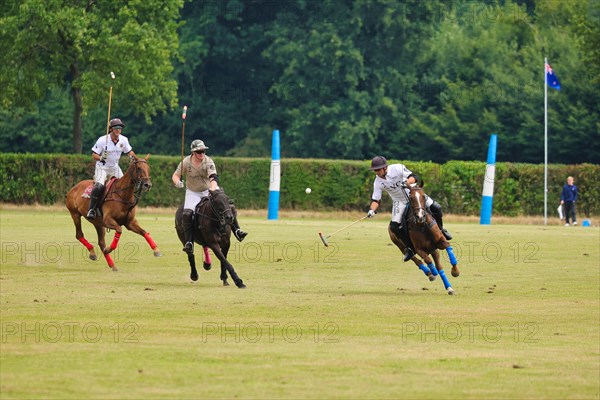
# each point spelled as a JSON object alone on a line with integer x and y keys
{"x": 193, "y": 198}
{"x": 103, "y": 173}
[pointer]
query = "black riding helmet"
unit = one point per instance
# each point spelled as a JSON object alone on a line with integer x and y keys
{"x": 378, "y": 162}
{"x": 116, "y": 122}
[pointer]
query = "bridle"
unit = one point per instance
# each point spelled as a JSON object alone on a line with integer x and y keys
{"x": 214, "y": 206}
{"x": 138, "y": 182}
{"x": 418, "y": 214}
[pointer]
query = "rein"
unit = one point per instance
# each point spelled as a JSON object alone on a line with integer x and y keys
{"x": 136, "y": 184}
{"x": 218, "y": 216}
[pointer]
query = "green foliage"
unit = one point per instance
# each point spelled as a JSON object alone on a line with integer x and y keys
{"x": 336, "y": 185}
{"x": 340, "y": 79}
{"x": 75, "y": 46}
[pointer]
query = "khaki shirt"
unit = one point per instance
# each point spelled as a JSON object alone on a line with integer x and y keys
{"x": 196, "y": 179}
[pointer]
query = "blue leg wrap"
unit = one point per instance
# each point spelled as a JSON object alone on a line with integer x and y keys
{"x": 444, "y": 279}
{"x": 433, "y": 269}
{"x": 424, "y": 268}
{"x": 451, "y": 256}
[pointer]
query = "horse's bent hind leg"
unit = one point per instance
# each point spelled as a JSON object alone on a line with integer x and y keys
{"x": 79, "y": 235}
{"x": 207, "y": 263}
{"x": 455, "y": 272}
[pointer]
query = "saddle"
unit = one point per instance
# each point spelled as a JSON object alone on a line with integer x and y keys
{"x": 107, "y": 188}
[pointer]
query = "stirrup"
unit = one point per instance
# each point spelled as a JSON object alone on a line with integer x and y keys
{"x": 409, "y": 254}
{"x": 240, "y": 234}
{"x": 91, "y": 214}
{"x": 446, "y": 234}
{"x": 189, "y": 248}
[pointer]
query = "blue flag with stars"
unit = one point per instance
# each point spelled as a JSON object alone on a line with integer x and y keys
{"x": 551, "y": 78}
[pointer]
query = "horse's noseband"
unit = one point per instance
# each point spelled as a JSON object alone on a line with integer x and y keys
{"x": 223, "y": 216}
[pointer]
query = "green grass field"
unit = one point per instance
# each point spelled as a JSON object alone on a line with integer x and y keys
{"x": 350, "y": 321}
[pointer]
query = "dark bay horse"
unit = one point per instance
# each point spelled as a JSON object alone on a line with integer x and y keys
{"x": 427, "y": 239}
{"x": 212, "y": 228}
{"x": 118, "y": 208}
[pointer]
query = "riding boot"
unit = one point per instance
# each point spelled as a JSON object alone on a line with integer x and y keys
{"x": 187, "y": 223}
{"x": 237, "y": 231}
{"x": 94, "y": 197}
{"x": 402, "y": 233}
{"x": 436, "y": 211}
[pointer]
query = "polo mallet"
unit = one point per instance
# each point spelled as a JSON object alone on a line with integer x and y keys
{"x": 183, "y": 136}
{"x": 112, "y": 75}
{"x": 324, "y": 238}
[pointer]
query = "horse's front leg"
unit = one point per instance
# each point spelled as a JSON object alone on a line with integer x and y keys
{"x": 436, "y": 258}
{"x": 102, "y": 244}
{"x": 226, "y": 267}
{"x": 110, "y": 223}
{"x": 134, "y": 226}
{"x": 193, "y": 271}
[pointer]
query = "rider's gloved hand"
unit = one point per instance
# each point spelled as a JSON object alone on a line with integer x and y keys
{"x": 104, "y": 156}
{"x": 180, "y": 185}
{"x": 370, "y": 213}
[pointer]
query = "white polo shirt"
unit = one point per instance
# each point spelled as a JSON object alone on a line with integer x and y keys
{"x": 114, "y": 150}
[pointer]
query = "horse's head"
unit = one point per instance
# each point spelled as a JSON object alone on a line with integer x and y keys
{"x": 219, "y": 203}
{"x": 418, "y": 208}
{"x": 140, "y": 173}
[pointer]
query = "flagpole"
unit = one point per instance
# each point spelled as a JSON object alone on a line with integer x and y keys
{"x": 545, "y": 145}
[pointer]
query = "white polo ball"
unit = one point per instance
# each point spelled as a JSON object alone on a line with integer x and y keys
{"x": 308, "y": 190}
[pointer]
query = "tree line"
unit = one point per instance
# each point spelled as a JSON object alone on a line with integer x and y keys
{"x": 415, "y": 80}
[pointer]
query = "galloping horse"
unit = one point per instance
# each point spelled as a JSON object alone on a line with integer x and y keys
{"x": 118, "y": 208}
{"x": 212, "y": 227}
{"x": 427, "y": 238}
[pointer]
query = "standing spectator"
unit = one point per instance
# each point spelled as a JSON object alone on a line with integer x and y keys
{"x": 568, "y": 197}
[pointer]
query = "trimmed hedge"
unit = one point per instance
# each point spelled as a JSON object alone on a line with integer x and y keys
{"x": 335, "y": 184}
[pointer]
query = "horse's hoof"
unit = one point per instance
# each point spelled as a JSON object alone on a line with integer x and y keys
{"x": 93, "y": 257}
{"x": 107, "y": 250}
{"x": 450, "y": 291}
{"x": 207, "y": 266}
{"x": 157, "y": 254}
{"x": 432, "y": 278}
{"x": 241, "y": 286}
{"x": 225, "y": 283}
{"x": 114, "y": 269}
{"x": 455, "y": 272}
{"x": 194, "y": 277}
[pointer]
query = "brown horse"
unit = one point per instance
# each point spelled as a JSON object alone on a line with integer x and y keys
{"x": 427, "y": 238}
{"x": 118, "y": 208}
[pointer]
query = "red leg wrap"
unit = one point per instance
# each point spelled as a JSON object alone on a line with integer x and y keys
{"x": 115, "y": 241}
{"x": 109, "y": 260}
{"x": 206, "y": 255}
{"x": 87, "y": 244}
{"x": 150, "y": 240}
